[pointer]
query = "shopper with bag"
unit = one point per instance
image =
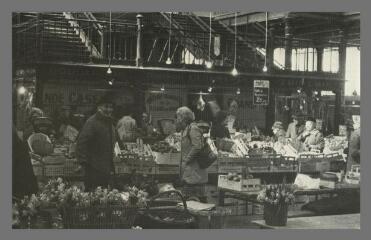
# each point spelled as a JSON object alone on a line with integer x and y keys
{"x": 192, "y": 174}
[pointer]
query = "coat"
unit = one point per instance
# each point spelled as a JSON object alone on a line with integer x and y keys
{"x": 219, "y": 131}
{"x": 354, "y": 155}
{"x": 95, "y": 144}
{"x": 24, "y": 181}
{"x": 192, "y": 143}
{"x": 313, "y": 140}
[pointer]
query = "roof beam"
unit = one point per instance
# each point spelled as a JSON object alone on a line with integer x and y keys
{"x": 247, "y": 18}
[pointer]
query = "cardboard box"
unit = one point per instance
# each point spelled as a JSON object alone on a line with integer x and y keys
{"x": 244, "y": 185}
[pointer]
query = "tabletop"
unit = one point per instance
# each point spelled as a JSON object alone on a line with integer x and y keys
{"x": 346, "y": 221}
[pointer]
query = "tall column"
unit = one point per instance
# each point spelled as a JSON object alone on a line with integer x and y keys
{"x": 337, "y": 112}
{"x": 270, "y": 51}
{"x": 288, "y": 43}
{"x": 139, "y": 60}
{"x": 319, "y": 58}
{"x": 342, "y": 54}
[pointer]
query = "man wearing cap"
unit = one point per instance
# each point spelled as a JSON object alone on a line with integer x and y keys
{"x": 312, "y": 138}
{"x": 293, "y": 130}
{"x": 95, "y": 146}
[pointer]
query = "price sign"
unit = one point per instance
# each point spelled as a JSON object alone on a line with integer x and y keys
{"x": 261, "y": 92}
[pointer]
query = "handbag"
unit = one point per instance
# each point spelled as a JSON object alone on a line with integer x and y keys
{"x": 206, "y": 157}
{"x": 161, "y": 214}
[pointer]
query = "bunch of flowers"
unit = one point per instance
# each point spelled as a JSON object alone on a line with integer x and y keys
{"x": 25, "y": 209}
{"x": 278, "y": 194}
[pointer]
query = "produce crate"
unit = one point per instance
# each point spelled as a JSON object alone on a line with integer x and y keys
{"x": 99, "y": 217}
{"x": 121, "y": 168}
{"x": 167, "y": 169}
{"x": 170, "y": 158}
{"x": 213, "y": 219}
{"x": 244, "y": 185}
{"x": 337, "y": 166}
{"x": 233, "y": 165}
{"x": 309, "y": 163}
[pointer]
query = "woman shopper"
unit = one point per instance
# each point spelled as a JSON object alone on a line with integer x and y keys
{"x": 192, "y": 176}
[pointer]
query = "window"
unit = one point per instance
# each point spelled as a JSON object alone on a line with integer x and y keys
{"x": 279, "y": 56}
{"x": 304, "y": 59}
{"x": 330, "y": 61}
{"x": 353, "y": 71}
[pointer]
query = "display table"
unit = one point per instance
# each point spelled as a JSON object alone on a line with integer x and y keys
{"x": 347, "y": 221}
{"x": 251, "y": 196}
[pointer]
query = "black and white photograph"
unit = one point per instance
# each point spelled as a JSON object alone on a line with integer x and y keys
{"x": 186, "y": 120}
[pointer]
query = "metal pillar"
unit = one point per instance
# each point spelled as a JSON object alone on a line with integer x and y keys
{"x": 288, "y": 43}
{"x": 139, "y": 60}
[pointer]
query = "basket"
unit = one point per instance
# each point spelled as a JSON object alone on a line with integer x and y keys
{"x": 99, "y": 217}
{"x": 70, "y": 167}
{"x": 54, "y": 170}
{"x": 275, "y": 215}
{"x": 167, "y": 217}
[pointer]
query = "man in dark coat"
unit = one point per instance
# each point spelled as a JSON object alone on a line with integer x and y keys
{"x": 24, "y": 181}
{"x": 95, "y": 146}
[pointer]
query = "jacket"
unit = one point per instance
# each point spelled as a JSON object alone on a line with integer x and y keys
{"x": 24, "y": 181}
{"x": 219, "y": 131}
{"x": 95, "y": 144}
{"x": 192, "y": 143}
{"x": 354, "y": 155}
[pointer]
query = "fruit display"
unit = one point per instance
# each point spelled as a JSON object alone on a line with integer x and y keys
{"x": 174, "y": 140}
{"x": 138, "y": 148}
{"x": 336, "y": 143}
{"x": 163, "y": 147}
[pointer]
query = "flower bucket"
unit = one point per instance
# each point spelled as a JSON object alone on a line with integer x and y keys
{"x": 275, "y": 215}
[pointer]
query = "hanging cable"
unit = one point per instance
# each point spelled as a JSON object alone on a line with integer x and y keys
{"x": 234, "y": 71}
{"x": 109, "y": 71}
{"x": 209, "y": 63}
{"x": 168, "y": 61}
{"x": 266, "y": 42}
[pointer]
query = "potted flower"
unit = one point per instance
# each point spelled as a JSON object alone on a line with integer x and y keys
{"x": 276, "y": 199}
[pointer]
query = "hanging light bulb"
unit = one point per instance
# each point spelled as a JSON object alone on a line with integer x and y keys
{"x": 162, "y": 88}
{"x": 315, "y": 92}
{"x": 109, "y": 71}
{"x": 265, "y": 69}
{"x": 354, "y": 102}
{"x": 111, "y": 81}
{"x": 299, "y": 90}
{"x": 238, "y": 92}
{"x": 209, "y": 64}
{"x": 210, "y": 89}
{"x": 21, "y": 90}
{"x": 168, "y": 61}
{"x": 234, "y": 72}
{"x": 301, "y": 107}
{"x": 286, "y": 107}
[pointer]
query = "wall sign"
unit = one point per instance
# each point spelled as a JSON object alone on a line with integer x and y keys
{"x": 261, "y": 92}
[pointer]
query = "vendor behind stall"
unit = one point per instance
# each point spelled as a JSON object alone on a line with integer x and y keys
{"x": 146, "y": 128}
{"x": 127, "y": 128}
{"x": 312, "y": 138}
{"x": 294, "y": 129}
{"x": 279, "y": 133}
{"x": 354, "y": 156}
{"x": 233, "y": 122}
{"x": 219, "y": 128}
{"x": 95, "y": 146}
{"x": 192, "y": 176}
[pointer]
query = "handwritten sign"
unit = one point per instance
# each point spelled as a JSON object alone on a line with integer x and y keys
{"x": 261, "y": 92}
